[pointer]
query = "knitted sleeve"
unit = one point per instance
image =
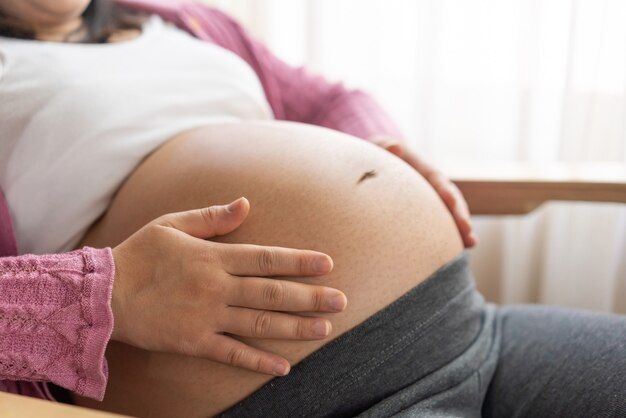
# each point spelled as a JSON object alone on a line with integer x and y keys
{"x": 56, "y": 319}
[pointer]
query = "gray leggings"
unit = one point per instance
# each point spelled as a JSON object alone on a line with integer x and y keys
{"x": 440, "y": 351}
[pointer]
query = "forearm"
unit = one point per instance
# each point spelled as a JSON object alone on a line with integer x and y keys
{"x": 56, "y": 320}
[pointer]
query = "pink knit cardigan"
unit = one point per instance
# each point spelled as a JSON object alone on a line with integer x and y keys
{"x": 55, "y": 314}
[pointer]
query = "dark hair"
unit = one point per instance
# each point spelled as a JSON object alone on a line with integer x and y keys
{"x": 101, "y": 19}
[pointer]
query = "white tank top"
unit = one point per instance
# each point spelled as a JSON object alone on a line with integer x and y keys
{"x": 76, "y": 119}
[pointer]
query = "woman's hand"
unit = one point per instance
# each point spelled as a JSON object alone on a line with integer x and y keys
{"x": 448, "y": 192}
{"x": 177, "y": 293}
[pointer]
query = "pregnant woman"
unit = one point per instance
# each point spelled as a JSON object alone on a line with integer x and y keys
{"x": 160, "y": 122}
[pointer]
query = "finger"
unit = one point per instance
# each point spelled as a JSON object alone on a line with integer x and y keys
{"x": 419, "y": 164}
{"x": 461, "y": 204}
{"x": 210, "y": 221}
{"x": 452, "y": 197}
{"x": 454, "y": 200}
{"x": 464, "y": 224}
{"x": 396, "y": 149}
{"x": 392, "y": 145}
{"x": 442, "y": 186}
{"x": 465, "y": 230}
{"x": 463, "y": 221}
{"x": 229, "y": 351}
{"x": 281, "y": 295}
{"x": 472, "y": 240}
{"x": 266, "y": 324}
{"x": 256, "y": 260}
{"x": 449, "y": 194}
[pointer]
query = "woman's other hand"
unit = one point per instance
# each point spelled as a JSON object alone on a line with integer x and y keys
{"x": 175, "y": 292}
{"x": 449, "y": 193}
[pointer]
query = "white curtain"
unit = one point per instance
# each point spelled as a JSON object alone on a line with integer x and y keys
{"x": 489, "y": 80}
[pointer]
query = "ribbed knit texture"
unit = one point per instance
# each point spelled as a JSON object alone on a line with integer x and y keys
{"x": 56, "y": 319}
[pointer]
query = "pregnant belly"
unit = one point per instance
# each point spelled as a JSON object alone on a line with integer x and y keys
{"x": 309, "y": 187}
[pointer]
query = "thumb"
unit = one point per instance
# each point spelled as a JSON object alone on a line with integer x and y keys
{"x": 396, "y": 149}
{"x": 210, "y": 221}
{"x": 392, "y": 145}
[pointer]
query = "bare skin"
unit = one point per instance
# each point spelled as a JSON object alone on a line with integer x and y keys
{"x": 56, "y": 20}
{"x": 51, "y": 20}
{"x": 170, "y": 269}
{"x": 385, "y": 235}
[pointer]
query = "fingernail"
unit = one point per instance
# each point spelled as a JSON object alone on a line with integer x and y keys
{"x": 281, "y": 369}
{"x": 322, "y": 265}
{"x": 233, "y": 206}
{"x": 336, "y": 303}
{"x": 321, "y": 328}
